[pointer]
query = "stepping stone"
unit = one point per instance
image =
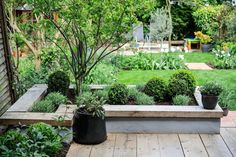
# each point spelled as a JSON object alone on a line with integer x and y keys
{"x": 198, "y": 66}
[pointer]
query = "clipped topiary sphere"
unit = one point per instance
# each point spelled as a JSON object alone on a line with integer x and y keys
{"x": 58, "y": 81}
{"x": 157, "y": 88}
{"x": 182, "y": 83}
{"x": 118, "y": 94}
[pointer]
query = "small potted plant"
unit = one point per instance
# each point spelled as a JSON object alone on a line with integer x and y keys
{"x": 210, "y": 92}
{"x": 205, "y": 41}
{"x": 89, "y": 126}
{"x": 226, "y": 98}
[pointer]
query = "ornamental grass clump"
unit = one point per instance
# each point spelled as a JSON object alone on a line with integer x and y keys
{"x": 56, "y": 98}
{"x": 181, "y": 100}
{"x": 45, "y": 106}
{"x": 156, "y": 88}
{"x": 118, "y": 94}
{"x": 140, "y": 98}
{"x": 59, "y": 81}
{"x": 182, "y": 83}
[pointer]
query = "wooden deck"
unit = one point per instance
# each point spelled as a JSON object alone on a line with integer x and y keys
{"x": 161, "y": 145}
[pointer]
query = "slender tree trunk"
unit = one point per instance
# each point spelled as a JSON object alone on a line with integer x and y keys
{"x": 168, "y": 3}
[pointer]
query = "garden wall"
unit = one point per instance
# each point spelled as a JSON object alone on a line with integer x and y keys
{"x": 6, "y": 92}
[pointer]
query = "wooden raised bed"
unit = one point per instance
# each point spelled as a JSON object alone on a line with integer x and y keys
{"x": 122, "y": 118}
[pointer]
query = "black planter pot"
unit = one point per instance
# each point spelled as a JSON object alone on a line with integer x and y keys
{"x": 209, "y": 102}
{"x": 225, "y": 111}
{"x": 206, "y": 47}
{"x": 88, "y": 129}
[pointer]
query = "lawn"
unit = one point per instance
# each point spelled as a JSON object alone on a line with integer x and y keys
{"x": 226, "y": 77}
{"x": 198, "y": 57}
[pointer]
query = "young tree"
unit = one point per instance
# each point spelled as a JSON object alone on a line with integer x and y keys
{"x": 90, "y": 30}
{"x": 160, "y": 25}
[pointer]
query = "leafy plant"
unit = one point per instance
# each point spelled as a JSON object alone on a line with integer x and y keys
{"x": 101, "y": 94}
{"x": 211, "y": 88}
{"x": 205, "y": 39}
{"x": 38, "y": 140}
{"x": 157, "y": 88}
{"x": 90, "y": 104}
{"x": 182, "y": 83}
{"x": 56, "y": 99}
{"x": 59, "y": 81}
{"x": 46, "y": 138}
{"x": 118, "y": 94}
{"x": 228, "y": 98}
{"x": 181, "y": 100}
{"x": 43, "y": 106}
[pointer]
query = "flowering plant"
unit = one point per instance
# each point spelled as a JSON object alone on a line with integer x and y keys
{"x": 205, "y": 39}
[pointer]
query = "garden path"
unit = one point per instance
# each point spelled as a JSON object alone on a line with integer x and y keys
{"x": 198, "y": 66}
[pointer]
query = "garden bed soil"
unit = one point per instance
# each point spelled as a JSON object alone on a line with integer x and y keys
{"x": 64, "y": 150}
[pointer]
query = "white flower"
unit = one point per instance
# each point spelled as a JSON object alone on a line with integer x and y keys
{"x": 181, "y": 57}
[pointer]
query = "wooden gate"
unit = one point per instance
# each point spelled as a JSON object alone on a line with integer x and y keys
{"x": 6, "y": 77}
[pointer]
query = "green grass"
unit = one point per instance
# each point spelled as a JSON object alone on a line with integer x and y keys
{"x": 197, "y": 57}
{"x": 226, "y": 77}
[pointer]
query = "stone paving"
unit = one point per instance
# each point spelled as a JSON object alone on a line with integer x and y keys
{"x": 198, "y": 66}
{"x": 229, "y": 121}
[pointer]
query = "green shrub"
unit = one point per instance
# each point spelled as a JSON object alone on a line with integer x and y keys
{"x": 211, "y": 88}
{"x": 181, "y": 100}
{"x": 91, "y": 104}
{"x": 38, "y": 140}
{"x": 118, "y": 94}
{"x": 43, "y": 106}
{"x": 156, "y": 88}
{"x": 182, "y": 83}
{"x": 132, "y": 94}
{"x": 46, "y": 137}
{"x": 56, "y": 99}
{"x": 58, "y": 82}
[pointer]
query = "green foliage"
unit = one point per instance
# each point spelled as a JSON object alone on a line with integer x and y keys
{"x": 91, "y": 104}
{"x": 140, "y": 98}
{"x": 225, "y": 56}
{"x": 206, "y": 19}
{"x": 181, "y": 100}
{"x": 148, "y": 62}
{"x": 103, "y": 73}
{"x": 38, "y": 140}
{"x": 28, "y": 76}
{"x": 182, "y": 83}
{"x": 101, "y": 94}
{"x": 58, "y": 82}
{"x": 43, "y": 106}
{"x": 211, "y": 88}
{"x": 56, "y": 99}
{"x": 46, "y": 137}
{"x": 118, "y": 94}
{"x": 140, "y": 87}
{"x": 228, "y": 99}
{"x": 157, "y": 88}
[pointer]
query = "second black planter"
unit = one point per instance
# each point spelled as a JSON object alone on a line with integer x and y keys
{"x": 209, "y": 102}
{"x": 206, "y": 47}
{"x": 88, "y": 129}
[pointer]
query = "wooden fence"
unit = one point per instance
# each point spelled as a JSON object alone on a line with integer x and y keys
{"x": 6, "y": 78}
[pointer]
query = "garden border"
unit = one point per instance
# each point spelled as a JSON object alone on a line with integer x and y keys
{"x": 122, "y": 118}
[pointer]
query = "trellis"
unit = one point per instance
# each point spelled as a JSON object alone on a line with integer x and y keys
{"x": 7, "y": 95}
